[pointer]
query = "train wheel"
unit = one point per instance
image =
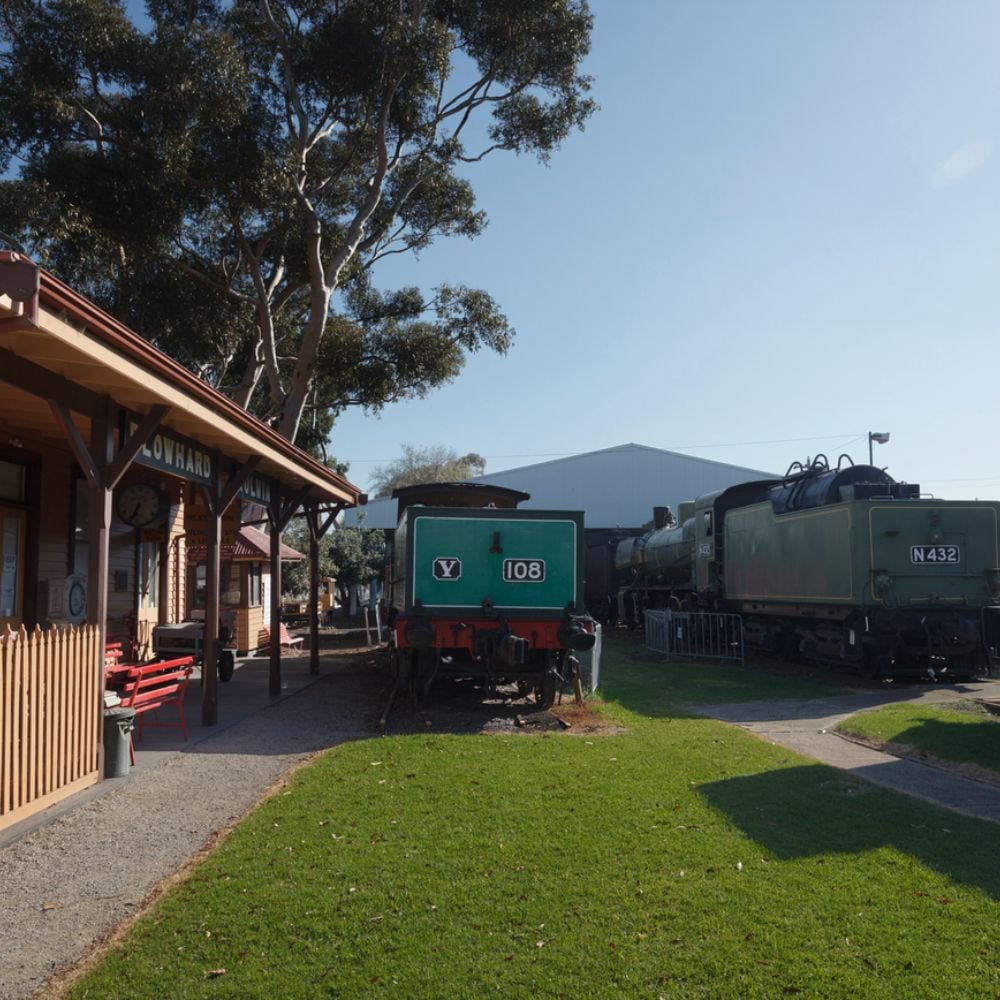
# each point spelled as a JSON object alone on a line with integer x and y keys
{"x": 979, "y": 665}
{"x": 423, "y": 673}
{"x": 547, "y": 688}
{"x": 227, "y": 664}
{"x": 396, "y": 668}
{"x": 791, "y": 647}
{"x": 872, "y": 666}
{"x": 404, "y": 669}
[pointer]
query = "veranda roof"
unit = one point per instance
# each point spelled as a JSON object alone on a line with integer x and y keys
{"x": 61, "y": 347}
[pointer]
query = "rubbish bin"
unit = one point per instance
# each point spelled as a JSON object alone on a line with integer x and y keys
{"x": 118, "y": 723}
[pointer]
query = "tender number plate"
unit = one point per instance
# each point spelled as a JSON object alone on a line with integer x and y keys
{"x": 523, "y": 570}
{"x": 921, "y": 554}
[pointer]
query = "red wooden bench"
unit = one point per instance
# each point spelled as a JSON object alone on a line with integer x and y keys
{"x": 153, "y": 686}
{"x": 292, "y": 643}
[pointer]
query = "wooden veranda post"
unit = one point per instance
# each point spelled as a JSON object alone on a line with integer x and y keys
{"x": 210, "y": 640}
{"x": 274, "y": 675}
{"x": 217, "y": 497}
{"x": 317, "y": 530}
{"x": 279, "y": 513}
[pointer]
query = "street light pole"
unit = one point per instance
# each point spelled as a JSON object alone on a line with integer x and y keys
{"x": 878, "y": 437}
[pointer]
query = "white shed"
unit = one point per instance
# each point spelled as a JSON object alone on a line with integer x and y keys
{"x": 614, "y": 487}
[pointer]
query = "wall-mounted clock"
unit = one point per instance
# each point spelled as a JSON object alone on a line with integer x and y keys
{"x": 76, "y": 597}
{"x": 141, "y": 505}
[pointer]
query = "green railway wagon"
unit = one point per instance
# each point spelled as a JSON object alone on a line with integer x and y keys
{"x": 462, "y": 560}
{"x": 494, "y": 594}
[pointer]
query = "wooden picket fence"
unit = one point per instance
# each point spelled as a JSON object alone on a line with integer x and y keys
{"x": 50, "y": 713}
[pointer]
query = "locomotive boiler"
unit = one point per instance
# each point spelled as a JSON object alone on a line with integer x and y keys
{"x": 841, "y": 565}
{"x": 484, "y": 591}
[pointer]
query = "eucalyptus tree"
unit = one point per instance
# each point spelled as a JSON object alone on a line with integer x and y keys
{"x": 226, "y": 176}
{"x": 435, "y": 464}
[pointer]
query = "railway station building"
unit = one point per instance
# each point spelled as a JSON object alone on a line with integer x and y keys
{"x": 116, "y": 465}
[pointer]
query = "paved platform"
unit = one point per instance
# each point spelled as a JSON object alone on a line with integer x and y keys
{"x": 807, "y": 726}
{"x": 244, "y": 696}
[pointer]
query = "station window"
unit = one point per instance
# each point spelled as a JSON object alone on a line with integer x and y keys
{"x": 149, "y": 562}
{"x": 198, "y": 578}
{"x": 81, "y": 526}
{"x": 12, "y": 480}
{"x": 12, "y": 525}
{"x": 255, "y": 588}
{"x": 229, "y": 585}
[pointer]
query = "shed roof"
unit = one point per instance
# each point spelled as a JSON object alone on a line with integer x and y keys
{"x": 250, "y": 545}
{"x": 614, "y": 487}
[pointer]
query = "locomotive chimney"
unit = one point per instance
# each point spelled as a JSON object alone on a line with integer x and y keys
{"x": 663, "y": 517}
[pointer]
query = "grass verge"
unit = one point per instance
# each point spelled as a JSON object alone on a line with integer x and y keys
{"x": 965, "y": 733}
{"x": 649, "y": 684}
{"x": 682, "y": 858}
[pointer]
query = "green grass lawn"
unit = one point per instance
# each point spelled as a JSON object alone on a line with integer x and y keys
{"x": 651, "y": 685}
{"x": 966, "y": 733}
{"x": 682, "y": 858}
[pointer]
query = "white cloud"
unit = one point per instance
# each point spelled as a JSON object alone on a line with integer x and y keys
{"x": 963, "y": 162}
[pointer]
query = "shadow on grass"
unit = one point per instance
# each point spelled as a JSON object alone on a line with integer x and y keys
{"x": 813, "y": 811}
{"x": 975, "y": 741}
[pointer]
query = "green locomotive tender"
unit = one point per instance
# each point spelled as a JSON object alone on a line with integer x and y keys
{"x": 483, "y": 590}
{"x": 842, "y": 566}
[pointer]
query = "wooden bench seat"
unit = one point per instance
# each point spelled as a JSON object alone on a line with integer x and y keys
{"x": 153, "y": 686}
{"x": 287, "y": 641}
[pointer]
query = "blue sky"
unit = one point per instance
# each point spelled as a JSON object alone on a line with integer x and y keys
{"x": 779, "y": 233}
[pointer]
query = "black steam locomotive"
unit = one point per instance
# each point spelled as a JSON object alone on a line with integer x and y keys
{"x": 841, "y": 565}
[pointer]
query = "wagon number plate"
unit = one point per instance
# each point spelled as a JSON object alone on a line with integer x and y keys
{"x": 935, "y": 554}
{"x": 523, "y": 570}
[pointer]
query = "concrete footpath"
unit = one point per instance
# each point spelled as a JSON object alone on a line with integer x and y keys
{"x": 807, "y": 726}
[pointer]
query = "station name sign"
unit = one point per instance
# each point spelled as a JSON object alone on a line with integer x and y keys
{"x": 256, "y": 490}
{"x": 179, "y": 456}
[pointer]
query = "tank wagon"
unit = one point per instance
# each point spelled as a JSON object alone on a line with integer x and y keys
{"x": 841, "y": 565}
{"x": 483, "y": 590}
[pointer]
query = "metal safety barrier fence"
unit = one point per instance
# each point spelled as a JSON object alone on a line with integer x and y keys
{"x": 704, "y": 635}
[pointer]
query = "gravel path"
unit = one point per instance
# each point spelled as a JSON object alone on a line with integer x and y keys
{"x": 68, "y": 884}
